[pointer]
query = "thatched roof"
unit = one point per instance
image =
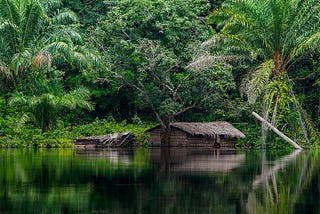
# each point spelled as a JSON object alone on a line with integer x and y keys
{"x": 208, "y": 129}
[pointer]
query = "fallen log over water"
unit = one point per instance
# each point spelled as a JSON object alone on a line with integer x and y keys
{"x": 125, "y": 139}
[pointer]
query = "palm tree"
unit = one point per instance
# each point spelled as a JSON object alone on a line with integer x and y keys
{"x": 275, "y": 34}
{"x": 45, "y": 101}
{"x": 37, "y": 33}
{"x": 37, "y": 36}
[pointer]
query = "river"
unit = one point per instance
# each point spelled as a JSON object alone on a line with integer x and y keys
{"x": 181, "y": 181}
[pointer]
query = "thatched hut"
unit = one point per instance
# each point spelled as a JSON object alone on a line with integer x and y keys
{"x": 217, "y": 134}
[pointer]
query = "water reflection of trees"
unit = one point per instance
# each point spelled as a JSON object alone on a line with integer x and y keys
{"x": 262, "y": 183}
{"x": 280, "y": 186}
{"x": 61, "y": 181}
{"x": 200, "y": 180}
{"x": 201, "y": 160}
{"x": 157, "y": 181}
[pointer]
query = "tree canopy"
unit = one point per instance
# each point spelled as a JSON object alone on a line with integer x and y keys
{"x": 149, "y": 44}
{"x": 161, "y": 61}
{"x": 272, "y": 36}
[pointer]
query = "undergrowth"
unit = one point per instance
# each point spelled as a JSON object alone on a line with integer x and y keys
{"x": 63, "y": 136}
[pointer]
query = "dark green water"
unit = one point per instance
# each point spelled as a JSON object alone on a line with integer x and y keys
{"x": 158, "y": 181}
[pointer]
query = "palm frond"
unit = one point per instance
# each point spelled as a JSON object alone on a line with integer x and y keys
{"x": 79, "y": 59}
{"x": 65, "y": 17}
{"x": 25, "y": 117}
{"x": 309, "y": 44}
{"x": 93, "y": 57}
{"x": 20, "y": 61}
{"x": 59, "y": 50}
{"x": 246, "y": 18}
{"x": 80, "y": 97}
{"x": 258, "y": 81}
{"x": 310, "y": 126}
{"x": 72, "y": 34}
{"x": 50, "y": 5}
{"x": 33, "y": 14}
{"x": 9, "y": 33}
{"x": 32, "y": 102}
{"x": 18, "y": 99}
{"x": 306, "y": 123}
{"x": 207, "y": 61}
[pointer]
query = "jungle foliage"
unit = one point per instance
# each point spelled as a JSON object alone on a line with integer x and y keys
{"x": 273, "y": 37}
{"x": 68, "y": 64}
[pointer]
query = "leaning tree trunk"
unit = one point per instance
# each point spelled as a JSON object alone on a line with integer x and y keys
{"x": 165, "y": 132}
{"x": 275, "y": 130}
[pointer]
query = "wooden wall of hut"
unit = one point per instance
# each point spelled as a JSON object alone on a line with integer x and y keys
{"x": 155, "y": 138}
{"x": 227, "y": 142}
{"x": 201, "y": 141}
{"x": 177, "y": 137}
{"x": 180, "y": 138}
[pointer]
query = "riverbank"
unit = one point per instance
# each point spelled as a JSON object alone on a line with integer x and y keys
{"x": 29, "y": 136}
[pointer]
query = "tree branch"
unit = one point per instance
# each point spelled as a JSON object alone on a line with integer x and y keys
{"x": 186, "y": 109}
{"x": 306, "y": 77}
{"x": 146, "y": 96}
{"x": 174, "y": 93}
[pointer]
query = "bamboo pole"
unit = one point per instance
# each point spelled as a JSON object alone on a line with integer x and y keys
{"x": 283, "y": 136}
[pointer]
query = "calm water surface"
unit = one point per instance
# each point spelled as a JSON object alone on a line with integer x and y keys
{"x": 158, "y": 181}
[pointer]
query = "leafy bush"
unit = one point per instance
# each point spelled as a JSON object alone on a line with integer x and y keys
{"x": 29, "y": 136}
{"x": 103, "y": 126}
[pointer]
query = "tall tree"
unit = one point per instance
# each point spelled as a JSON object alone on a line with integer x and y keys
{"x": 175, "y": 23}
{"x": 37, "y": 36}
{"x": 274, "y": 35}
{"x": 149, "y": 43}
{"x": 168, "y": 90}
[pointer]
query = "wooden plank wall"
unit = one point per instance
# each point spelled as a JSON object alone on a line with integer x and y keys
{"x": 155, "y": 139}
{"x": 178, "y": 138}
{"x": 201, "y": 141}
{"x": 181, "y": 139}
{"x": 226, "y": 142}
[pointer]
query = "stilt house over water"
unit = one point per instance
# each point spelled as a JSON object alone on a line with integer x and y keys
{"x": 213, "y": 134}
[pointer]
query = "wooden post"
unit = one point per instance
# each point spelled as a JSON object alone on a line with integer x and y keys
{"x": 283, "y": 136}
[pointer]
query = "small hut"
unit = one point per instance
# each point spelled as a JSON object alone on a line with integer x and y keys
{"x": 217, "y": 134}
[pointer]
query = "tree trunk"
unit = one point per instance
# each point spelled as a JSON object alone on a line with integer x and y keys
{"x": 165, "y": 132}
{"x": 275, "y": 130}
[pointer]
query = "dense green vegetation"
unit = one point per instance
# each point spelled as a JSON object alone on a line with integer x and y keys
{"x": 72, "y": 68}
{"x": 274, "y": 36}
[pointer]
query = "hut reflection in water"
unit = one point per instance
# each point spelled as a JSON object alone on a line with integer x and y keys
{"x": 190, "y": 160}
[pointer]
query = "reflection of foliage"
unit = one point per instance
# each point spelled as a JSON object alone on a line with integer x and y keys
{"x": 284, "y": 183}
{"x": 53, "y": 181}
{"x": 126, "y": 182}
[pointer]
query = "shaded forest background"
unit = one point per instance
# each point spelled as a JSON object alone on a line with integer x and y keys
{"x": 93, "y": 67}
